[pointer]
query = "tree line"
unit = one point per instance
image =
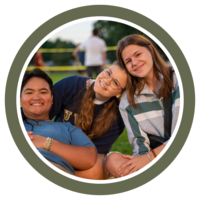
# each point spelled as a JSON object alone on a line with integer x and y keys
{"x": 110, "y": 31}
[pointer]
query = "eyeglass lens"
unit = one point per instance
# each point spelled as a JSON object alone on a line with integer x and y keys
{"x": 114, "y": 83}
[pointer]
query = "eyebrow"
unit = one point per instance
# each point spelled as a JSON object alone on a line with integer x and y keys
{"x": 33, "y": 89}
{"x": 133, "y": 54}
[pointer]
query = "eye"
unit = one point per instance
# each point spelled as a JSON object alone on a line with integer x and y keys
{"x": 137, "y": 55}
{"x": 115, "y": 82}
{"x": 108, "y": 73}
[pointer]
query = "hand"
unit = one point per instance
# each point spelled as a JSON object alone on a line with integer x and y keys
{"x": 38, "y": 140}
{"x": 30, "y": 134}
{"x": 133, "y": 164}
{"x": 74, "y": 53}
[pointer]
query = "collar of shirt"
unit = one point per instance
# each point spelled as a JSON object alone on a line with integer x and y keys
{"x": 97, "y": 102}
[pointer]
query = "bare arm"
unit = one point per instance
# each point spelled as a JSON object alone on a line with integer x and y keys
{"x": 76, "y": 51}
{"x": 104, "y": 59}
{"x": 137, "y": 162}
{"x": 80, "y": 157}
{"x": 121, "y": 165}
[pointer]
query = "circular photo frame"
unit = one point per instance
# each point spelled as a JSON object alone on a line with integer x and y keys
{"x": 121, "y": 185}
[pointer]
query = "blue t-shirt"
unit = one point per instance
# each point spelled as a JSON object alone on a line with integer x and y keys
{"x": 68, "y": 94}
{"x": 62, "y": 132}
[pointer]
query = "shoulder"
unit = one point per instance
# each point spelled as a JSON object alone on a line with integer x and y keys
{"x": 70, "y": 84}
{"x": 85, "y": 42}
{"x": 124, "y": 101}
{"x": 98, "y": 39}
{"x": 72, "y": 79}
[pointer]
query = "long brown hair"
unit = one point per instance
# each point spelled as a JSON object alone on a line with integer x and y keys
{"x": 135, "y": 83}
{"x": 98, "y": 126}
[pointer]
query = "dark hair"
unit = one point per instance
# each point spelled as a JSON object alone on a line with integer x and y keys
{"x": 37, "y": 72}
{"x": 99, "y": 126}
{"x": 95, "y": 31}
{"x": 135, "y": 83}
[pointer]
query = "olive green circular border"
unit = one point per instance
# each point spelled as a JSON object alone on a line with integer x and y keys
{"x": 108, "y": 11}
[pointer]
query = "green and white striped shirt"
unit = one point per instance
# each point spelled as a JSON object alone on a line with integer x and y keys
{"x": 148, "y": 117}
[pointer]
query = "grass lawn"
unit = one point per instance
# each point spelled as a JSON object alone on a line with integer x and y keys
{"x": 121, "y": 144}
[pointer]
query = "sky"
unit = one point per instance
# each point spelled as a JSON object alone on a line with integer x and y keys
{"x": 76, "y": 33}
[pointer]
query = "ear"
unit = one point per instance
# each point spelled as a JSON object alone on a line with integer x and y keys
{"x": 150, "y": 46}
{"x": 20, "y": 101}
{"x": 119, "y": 95}
{"x": 52, "y": 98}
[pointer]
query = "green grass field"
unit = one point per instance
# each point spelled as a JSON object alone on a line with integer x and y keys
{"x": 121, "y": 144}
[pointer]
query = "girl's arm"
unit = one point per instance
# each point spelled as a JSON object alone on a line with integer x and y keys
{"x": 137, "y": 162}
{"x": 137, "y": 137}
{"x": 121, "y": 165}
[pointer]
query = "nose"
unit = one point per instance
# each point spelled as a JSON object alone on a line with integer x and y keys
{"x": 107, "y": 81}
{"x": 36, "y": 96}
{"x": 134, "y": 61}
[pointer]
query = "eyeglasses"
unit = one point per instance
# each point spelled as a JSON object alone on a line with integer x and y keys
{"x": 114, "y": 82}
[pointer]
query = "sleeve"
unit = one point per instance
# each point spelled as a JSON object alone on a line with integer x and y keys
{"x": 137, "y": 137}
{"x": 64, "y": 91}
{"x": 82, "y": 45}
{"x": 78, "y": 138}
{"x": 175, "y": 103}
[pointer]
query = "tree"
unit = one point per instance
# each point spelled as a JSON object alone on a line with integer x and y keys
{"x": 111, "y": 32}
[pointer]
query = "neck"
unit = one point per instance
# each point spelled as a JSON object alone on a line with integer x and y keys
{"x": 152, "y": 82}
{"x": 100, "y": 97}
{"x": 35, "y": 117}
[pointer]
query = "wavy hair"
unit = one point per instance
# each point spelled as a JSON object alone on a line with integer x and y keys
{"x": 135, "y": 83}
{"x": 98, "y": 126}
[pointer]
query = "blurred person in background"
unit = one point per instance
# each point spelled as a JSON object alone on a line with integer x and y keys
{"x": 79, "y": 61}
{"x": 38, "y": 59}
{"x": 95, "y": 53}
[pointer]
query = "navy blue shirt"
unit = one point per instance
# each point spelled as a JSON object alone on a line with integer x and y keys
{"x": 68, "y": 93}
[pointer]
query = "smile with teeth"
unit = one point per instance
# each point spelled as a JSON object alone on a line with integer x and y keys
{"x": 102, "y": 85}
{"x": 36, "y": 104}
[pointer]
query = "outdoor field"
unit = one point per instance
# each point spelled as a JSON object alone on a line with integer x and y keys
{"x": 121, "y": 144}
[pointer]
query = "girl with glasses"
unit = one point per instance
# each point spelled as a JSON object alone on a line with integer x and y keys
{"x": 92, "y": 105}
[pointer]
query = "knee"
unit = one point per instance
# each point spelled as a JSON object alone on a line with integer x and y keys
{"x": 97, "y": 172}
{"x": 113, "y": 163}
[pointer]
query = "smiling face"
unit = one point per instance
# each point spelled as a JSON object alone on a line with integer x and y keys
{"x": 36, "y": 99}
{"x": 138, "y": 61}
{"x": 103, "y": 86}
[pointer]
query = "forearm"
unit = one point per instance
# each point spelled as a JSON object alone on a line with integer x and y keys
{"x": 80, "y": 157}
{"x": 156, "y": 151}
{"x": 104, "y": 58}
{"x": 76, "y": 51}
